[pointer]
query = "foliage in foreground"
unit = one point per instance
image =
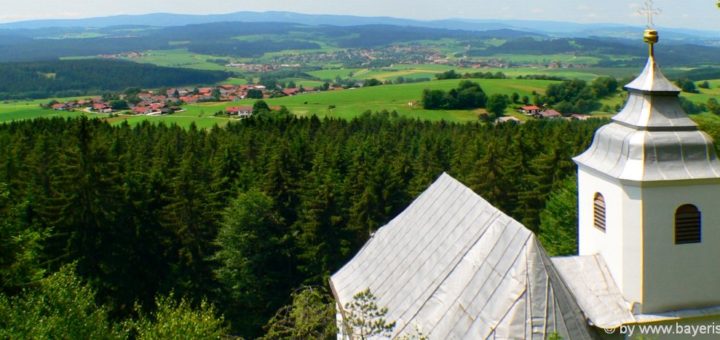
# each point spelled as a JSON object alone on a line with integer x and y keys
{"x": 178, "y": 320}
{"x": 365, "y": 319}
{"x": 62, "y": 306}
{"x": 311, "y": 315}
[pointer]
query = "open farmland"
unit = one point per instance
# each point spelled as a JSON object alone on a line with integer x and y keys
{"x": 404, "y": 98}
{"x": 346, "y": 104}
{"x": 22, "y": 110}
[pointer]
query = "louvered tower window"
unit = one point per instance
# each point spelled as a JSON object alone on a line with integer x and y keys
{"x": 688, "y": 224}
{"x": 599, "y": 211}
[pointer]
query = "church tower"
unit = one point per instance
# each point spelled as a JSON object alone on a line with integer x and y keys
{"x": 649, "y": 199}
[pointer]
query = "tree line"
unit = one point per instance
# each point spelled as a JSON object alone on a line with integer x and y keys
{"x": 577, "y": 96}
{"x": 82, "y": 77}
{"x": 468, "y": 95}
{"x": 240, "y": 217}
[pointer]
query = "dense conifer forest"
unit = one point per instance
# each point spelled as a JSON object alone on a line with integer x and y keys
{"x": 67, "y": 78}
{"x": 160, "y": 219}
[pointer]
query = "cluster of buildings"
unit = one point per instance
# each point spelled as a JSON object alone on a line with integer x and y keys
{"x": 545, "y": 113}
{"x": 95, "y": 104}
{"x": 259, "y": 68}
{"x": 124, "y": 55}
{"x": 149, "y": 102}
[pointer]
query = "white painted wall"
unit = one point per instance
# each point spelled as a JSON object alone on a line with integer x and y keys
{"x": 639, "y": 246}
{"x": 621, "y": 243}
{"x": 685, "y": 275}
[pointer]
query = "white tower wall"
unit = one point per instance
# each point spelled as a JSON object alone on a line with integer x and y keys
{"x": 638, "y": 243}
{"x": 621, "y": 242}
{"x": 680, "y": 276}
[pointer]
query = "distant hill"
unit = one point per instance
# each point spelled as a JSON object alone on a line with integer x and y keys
{"x": 219, "y": 39}
{"x": 559, "y": 29}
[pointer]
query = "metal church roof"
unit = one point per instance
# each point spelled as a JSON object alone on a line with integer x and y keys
{"x": 652, "y": 138}
{"x": 652, "y": 80}
{"x": 455, "y": 267}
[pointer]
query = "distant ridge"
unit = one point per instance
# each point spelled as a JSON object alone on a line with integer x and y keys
{"x": 560, "y": 29}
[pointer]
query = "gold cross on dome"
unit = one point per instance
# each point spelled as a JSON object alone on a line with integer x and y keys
{"x": 650, "y": 11}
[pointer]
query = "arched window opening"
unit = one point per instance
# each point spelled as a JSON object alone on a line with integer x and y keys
{"x": 688, "y": 225}
{"x": 599, "y": 211}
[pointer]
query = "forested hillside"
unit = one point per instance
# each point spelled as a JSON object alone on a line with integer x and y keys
{"x": 82, "y": 77}
{"x": 253, "y": 39}
{"x": 244, "y": 215}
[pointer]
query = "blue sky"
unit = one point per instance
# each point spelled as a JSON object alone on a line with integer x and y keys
{"x": 700, "y": 14}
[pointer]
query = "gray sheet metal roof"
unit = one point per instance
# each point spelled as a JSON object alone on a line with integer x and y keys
{"x": 597, "y": 294}
{"x": 652, "y": 138}
{"x": 652, "y": 80}
{"x": 455, "y": 267}
{"x": 595, "y": 290}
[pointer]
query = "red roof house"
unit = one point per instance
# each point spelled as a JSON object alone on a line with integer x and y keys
{"x": 530, "y": 109}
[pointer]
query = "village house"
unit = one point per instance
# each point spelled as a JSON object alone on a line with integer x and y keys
{"x": 291, "y": 92}
{"x": 579, "y": 116}
{"x": 101, "y": 107}
{"x": 550, "y": 114}
{"x": 190, "y": 99}
{"x": 508, "y": 119}
{"x": 530, "y": 110}
{"x": 59, "y": 107}
{"x": 240, "y": 111}
{"x": 141, "y": 110}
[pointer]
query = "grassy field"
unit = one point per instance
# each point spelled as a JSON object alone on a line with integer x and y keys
{"x": 349, "y": 103}
{"x": 430, "y": 70}
{"x": 404, "y": 98}
{"x": 545, "y": 59}
{"x": 181, "y": 58}
{"x": 21, "y": 110}
{"x": 705, "y": 94}
{"x": 401, "y": 98}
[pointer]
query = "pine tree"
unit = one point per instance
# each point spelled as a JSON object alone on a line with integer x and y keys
{"x": 254, "y": 258}
{"x": 559, "y": 221}
{"x": 321, "y": 226}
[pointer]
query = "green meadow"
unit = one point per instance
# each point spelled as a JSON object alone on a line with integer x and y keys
{"x": 403, "y": 98}
{"x": 705, "y": 94}
{"x": 430, "y": 70}
{"x": 181, "y": 58}
{"x": 346, "y": 104}
{"x": 21, "y": 110}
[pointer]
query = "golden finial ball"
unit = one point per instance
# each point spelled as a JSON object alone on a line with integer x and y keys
{"x": 651, "y": 36}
